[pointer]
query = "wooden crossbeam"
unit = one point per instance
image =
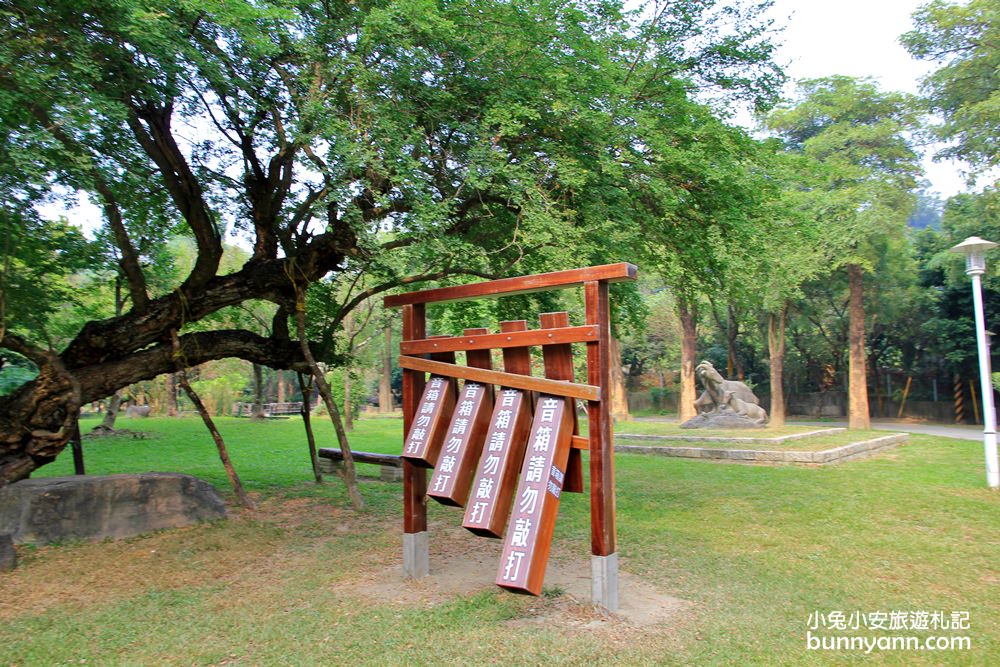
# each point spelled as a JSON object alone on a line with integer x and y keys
{"x": 520, "y": 285}
{"x": 556, "y": 336}
{"x": 555, "y": 387}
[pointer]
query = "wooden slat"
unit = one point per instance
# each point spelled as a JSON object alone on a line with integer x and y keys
{"x": 477, "y": 357}
{"x": 558, "y": 361}
{"x": 516, "y": 359}
{"x": 567, "y": 389}
{"x": 536, "y": 503}
{"x": 582, "y": 334}
{"x": 422, "y": 445}
{"x": 579, "y": 442}
{"x": 496, "y": 475}
{"x": 463, "y": 444}
{"x": 519, "y": 285}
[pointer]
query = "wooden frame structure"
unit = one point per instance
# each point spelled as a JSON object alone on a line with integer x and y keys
{"x": 450, "y": 430}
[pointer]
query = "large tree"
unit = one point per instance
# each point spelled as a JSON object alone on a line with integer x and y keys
{"x": 403, "y": 140}
{"x": 963, "y": 39}
{"x": 859, "y": 135}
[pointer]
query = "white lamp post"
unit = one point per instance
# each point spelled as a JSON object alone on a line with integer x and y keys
{"x": 974, "y": 249}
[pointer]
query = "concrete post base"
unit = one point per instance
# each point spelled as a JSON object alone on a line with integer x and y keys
{"x": 390, "y": 474}
{"x": 415, "y": 555}
{"x": 604, "y": 581}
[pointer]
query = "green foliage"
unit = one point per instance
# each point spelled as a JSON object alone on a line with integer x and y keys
{"x": 359, "y": 392}
{"x": 866, "y": 167}
{"x": 39, "y": 276}
{"x": 965, "y": 215}
{"x": 15, "y": 371}
{"x": 962, "y": 39}
{"x": 221, "y": 383}
{"x": 361, "y": 147}
{"x": 429, "y": 110}
{"x": 946, "y": 322}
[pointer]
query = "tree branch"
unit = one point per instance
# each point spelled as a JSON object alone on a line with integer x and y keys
{"x": 129, "y": 261}
{"x": 102, "y": 341}
{"x": 183, "y": 186}
{"x": 100, "y": 380}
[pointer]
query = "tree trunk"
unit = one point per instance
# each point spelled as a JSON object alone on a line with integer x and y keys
{"x": 111, "y": 414}
{"x": 172, "y": 395}
{"x": 385, "y": 381}
{"x": 35, "y": 419}
{"x": 689, "y": 339}
{"x": 731, "y": 332}
{"x": 349, "y": 331}
{"x": 76, "y": 442}
{"x": 733, "y": 364}
{"x": 880, "y": 400}
{"x": 280, "y": 375}
{"x": 776, "y": 351}
{"x": 220, "y": 444}
{"x": 258, "y": 392}
{"x": 857, "y": 391}
{"x": 348, "y": 411}
{"x": 619, "y": 393}
{"x": 350, "y": 476}
{"x": 307, "y": 422}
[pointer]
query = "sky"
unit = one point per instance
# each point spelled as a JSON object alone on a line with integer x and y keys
{"x": 820, "y": 38}
{"x": 858, "y": 38}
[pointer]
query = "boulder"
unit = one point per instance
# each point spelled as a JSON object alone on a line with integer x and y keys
{"x": 53, "y": 509}
{"x": 8, "y": 557}
{"x": 721, "y": 419}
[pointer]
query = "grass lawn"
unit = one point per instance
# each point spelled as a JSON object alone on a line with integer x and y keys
{"x": 657, "y": 427}
{"x": 811, "y": 444}
{"x": 306, "y": 581}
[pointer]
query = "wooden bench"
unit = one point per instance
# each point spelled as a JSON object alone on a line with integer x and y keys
{"x": 269, "y": 410}
{"x": 392, "y": 465}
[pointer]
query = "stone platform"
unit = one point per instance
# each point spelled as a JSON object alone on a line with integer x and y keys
{"x": 840, "y": 454}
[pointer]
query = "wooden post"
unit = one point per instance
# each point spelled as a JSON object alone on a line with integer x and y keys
{"x": 415, "y": 547}
{"x": 604, "y": 559}
{"x": 906, "y": 392}
{"x": 76, "y": 442}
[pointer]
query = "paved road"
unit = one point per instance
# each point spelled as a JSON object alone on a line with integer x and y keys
{"x": 947, "y": 430}
{"x": 960, "y": 431}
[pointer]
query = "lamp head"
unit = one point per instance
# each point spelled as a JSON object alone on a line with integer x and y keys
{"x": 974, "y": 249}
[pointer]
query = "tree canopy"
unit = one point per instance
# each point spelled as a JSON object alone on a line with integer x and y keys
{"x": 964, "y": 40}
{"x": 403, "y": 140}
